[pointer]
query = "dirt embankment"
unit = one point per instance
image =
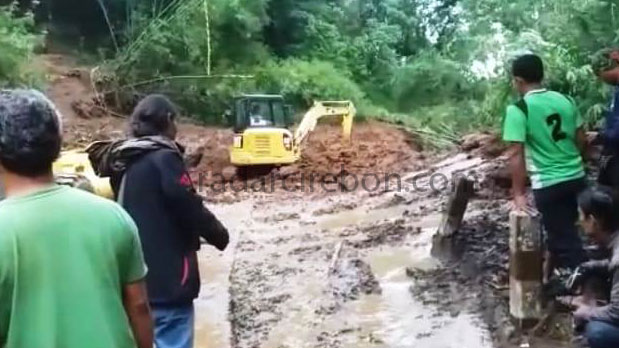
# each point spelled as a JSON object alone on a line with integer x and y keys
{"x": 377, "y": 149}
{"x": 327, "y": 165}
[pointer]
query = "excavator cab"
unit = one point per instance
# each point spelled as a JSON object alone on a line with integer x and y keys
{"x": 250, "y": 111}
{"x": 261, "y": 131}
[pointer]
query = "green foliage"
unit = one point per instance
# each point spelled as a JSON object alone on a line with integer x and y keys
{"x": 440, "y": 67}
{"x": 421, "y": 83}
{"x": 302, "y": 82}
{"x": 17, "y": 44}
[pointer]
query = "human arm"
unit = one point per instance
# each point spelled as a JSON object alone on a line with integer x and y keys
{"x": 185, "y": 203}
{"x": 518, "y": 169}
{"x": 135, "y": 301}
{"x": 514, "y": 132}
{"x": 582, "y": 142}
{"x": 7, "y": 262}
{"x": 132, "y": 275}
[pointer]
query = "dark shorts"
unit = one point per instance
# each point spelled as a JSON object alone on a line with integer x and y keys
{"x": 609, "y": 172}
{"x": 558, "y": 205}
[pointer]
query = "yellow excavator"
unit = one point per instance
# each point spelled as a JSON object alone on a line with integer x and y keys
{"x": 262, "y": 126}
{"x": 73, "y": 169}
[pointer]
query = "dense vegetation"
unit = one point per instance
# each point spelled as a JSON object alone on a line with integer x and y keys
{"x": 438, "y": 66}
{"x": 17, "y": 42}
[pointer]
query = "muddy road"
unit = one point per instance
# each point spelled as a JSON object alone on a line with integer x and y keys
{"x": 327, "y": 266}
{"x": 347, "y": 270}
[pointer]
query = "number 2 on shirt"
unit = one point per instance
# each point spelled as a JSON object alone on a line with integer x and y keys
{"x": 554, "y": 121}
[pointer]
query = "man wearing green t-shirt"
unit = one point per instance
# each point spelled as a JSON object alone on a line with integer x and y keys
{"x": 71, "y": 265}
{"x": 545, "y": 130}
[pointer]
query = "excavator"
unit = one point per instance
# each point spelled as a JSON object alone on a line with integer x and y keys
{"x": 262, "y": 126}
{"x": 73, "y": 169}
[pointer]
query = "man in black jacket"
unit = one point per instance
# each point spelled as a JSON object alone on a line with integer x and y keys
{"x": 151, "y": 181}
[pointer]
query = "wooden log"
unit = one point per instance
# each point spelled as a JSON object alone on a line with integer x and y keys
{"x": 456, "y": 207}
{"x": 525, "y": 271}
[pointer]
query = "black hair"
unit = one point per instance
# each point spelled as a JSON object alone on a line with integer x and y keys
{"x": 30, "y": 133}
{"x": 600, "y": 202}
{"x": 529, "y": 67}
{"x": 152, "y": 116}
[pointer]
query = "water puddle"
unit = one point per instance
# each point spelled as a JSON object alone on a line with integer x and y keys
{"x": 392, "y": 319}
{"x": 359, "y": 216}
{"x": 397, "y": 319}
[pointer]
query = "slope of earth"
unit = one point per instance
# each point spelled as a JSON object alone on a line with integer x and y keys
{"x": 376, "y": 151}
{"x": 328, "y": 165}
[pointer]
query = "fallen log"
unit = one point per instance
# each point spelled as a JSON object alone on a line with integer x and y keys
{"x": 456, "y": 207}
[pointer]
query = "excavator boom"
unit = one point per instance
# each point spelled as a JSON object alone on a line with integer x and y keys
{"x": 320, "y": 109}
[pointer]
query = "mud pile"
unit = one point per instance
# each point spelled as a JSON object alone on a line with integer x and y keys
{"x": 377, "y": 152}
{"x": 376, "y": 148}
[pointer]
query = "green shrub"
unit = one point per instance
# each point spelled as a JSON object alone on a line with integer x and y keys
{"x": 430, "y": 79}
{"x": 17, "y": 44}
{"x": 301, "y": 82}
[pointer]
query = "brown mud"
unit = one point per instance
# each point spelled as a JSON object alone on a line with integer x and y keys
{"x": 337, "y": 269}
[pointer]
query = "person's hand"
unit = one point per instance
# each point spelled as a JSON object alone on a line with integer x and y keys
{"x": 583, "y": 312}
{"x": 572, "y": 302}
{"x": 521, "y": 204}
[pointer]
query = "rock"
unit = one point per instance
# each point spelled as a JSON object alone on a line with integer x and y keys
{"x": 193, "y": 157}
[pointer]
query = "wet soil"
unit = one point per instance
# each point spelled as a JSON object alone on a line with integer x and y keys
{"x": 327, "y": 165}
{"x": 378, "y": 152}
{"x": 355, "y": 271}
{"x": 350, "y": 268}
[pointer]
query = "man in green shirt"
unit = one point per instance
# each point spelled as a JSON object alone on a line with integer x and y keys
{"x": 71, "y": 265}
{"x": 545, "y": 130}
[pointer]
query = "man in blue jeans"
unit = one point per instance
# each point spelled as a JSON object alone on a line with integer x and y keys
{"x": 151, "y": 182}
{"x": 597, "y": 216}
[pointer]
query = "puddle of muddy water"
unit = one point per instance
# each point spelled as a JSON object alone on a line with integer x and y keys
{"x": 392, "y": 319}
{"x": 359, "y": 216}
{"x": 397, "y": 319}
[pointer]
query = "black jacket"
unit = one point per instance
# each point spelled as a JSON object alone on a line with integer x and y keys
{"x": 170, "y": 216}
{"x": 610, "y": 268}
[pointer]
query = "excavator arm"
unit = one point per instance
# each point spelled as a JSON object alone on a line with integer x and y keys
{"x": 320, "y": 109}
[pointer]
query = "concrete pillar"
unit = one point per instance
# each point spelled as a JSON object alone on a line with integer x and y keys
{"x": 525, "y": 269}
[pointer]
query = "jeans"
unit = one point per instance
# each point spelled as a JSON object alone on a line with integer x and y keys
{"x": 558, "y": 205}
{"x": 173, "y": 326}
{"x": 600, "y": 334}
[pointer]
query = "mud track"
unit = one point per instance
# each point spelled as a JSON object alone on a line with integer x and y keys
{"x": 347, "y": 271}
{"x": 337, "y": 269}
